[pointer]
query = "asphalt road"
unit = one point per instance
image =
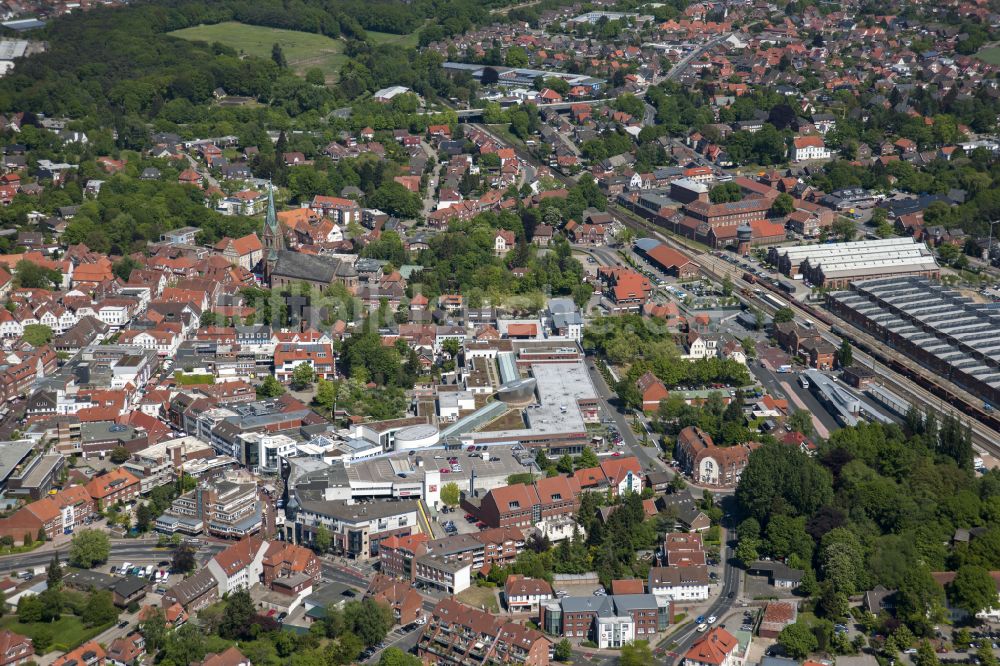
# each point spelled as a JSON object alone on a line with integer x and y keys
{"x": 772, "y": 383}
{"x": 121, "y": 550}
{"x": 645, "y": 454}
{"x": 730, "y": 590}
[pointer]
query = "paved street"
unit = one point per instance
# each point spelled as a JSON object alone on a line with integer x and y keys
{"x": 729, "y": 592}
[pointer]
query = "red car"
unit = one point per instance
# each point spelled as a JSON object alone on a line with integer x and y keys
{"x": 444, "y": 470}
{"x": 616, "y": 454}
{"x": 471, "y": 448}
{"x": 469, "y": 516}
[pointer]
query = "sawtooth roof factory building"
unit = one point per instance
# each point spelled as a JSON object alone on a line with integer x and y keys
{"x": 836, "y": 265}
{"x": 944, "y": 331}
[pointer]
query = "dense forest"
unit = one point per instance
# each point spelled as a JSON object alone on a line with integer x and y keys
{"x": 116, "y": 67}
{"x": 877, "y": 505}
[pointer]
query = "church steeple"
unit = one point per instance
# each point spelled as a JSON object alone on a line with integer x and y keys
{"x": 272, "y": 238}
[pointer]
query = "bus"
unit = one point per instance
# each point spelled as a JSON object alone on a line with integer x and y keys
{"x": 803, "y": 381}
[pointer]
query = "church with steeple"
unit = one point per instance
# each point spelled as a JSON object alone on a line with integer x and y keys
{"x": 272, "y": 239}
{"x": 283, "y": 267}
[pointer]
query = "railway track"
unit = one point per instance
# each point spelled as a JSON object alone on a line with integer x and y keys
{"x": 902, "y": 375}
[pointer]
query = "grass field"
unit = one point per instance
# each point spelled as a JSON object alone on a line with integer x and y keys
{"x": 989, "y": 54}
{"x": 404, "y": 41}
{"x": 189, "y": 380}
{"x": 68, "y": 631}
{"x": 303, "y": 50}
{"x": 480, "y": 597}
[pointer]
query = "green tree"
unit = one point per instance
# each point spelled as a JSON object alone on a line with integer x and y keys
{"x": 120, "y": 454}
{"x": 565, "y": 464}
{"x": 32, "y": 276}
{"x": 37, "y": 335}
{"x": 783, "y": 205}
{"x": 326, "y": 395}
{"x": 395, "y": 657}
{"x": 315, "y": 76}
{"x": 29, "y": 609}
{"x": 183, "y": 560}
{"x": 842, "y": 560}
{"x": 450, "y": 494}
{"x": 144, "y": 518}
{"x": 563, "y": 651}
{"x": 926, "y": 656}
{"x": 100, "y": 609}
{"x": 587, "y": 459}
{"x": 89, "y": 547}
{"x": 636, "y": 653}
{"x": 801, "y": 421}
{"x": 54, "y": 573}
{"x": 844, "y": 228}
{"x": 984, "y": 653}
{"x": 322, "y": 539}
{"x": 278, "y": 56}
{"x": 845, "y": 355}
{"x": 239, "y": 615}
{"x": 270, "y": 388}
{"x": 780, "y": 480}
{"x": 746, "y": 550}
{"x": 52, "y": 605}
{"x": 302, "y": 377}
{"x": 42, "y": 638}
{"x": 783, "y": 315}
{"x": 973, "y": 590}
{"x": 123, "y": 267}
{"x": 346, "y": 648}
{"x": 369, "y": 620}
{"x": 798, "y": 640}
{"x": 725, "y": 193}
{"x": 517, "y": 57}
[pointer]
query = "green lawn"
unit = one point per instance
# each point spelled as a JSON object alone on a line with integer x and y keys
{"x": 187, "y": 380}
{"x": 408, "y": 41}
{"x": 303, "y": 50}
{"x": 990, "y": 55}
{"x": 68, "y": 631}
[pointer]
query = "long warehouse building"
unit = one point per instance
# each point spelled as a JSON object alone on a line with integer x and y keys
{"x": 939, "y": 328}
{"x": 837, "y": 265}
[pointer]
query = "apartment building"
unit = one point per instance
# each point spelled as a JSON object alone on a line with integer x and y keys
{"x": 523, "y": 595}
{"x": 523, "y": 505}
{"x": 117, "y": 485}
{"x": 405, "y": 602}
{"x": 606, "y": 619}
{"x": 53, "y": 514}
{"x": 680, "y": 583}
{"x": 457, "y": 634}
{"x": 283, "y": 559}
{"x": 357, "y": 528}
{"x": 240, "y": 566}
{"x": 223, "y": 508}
